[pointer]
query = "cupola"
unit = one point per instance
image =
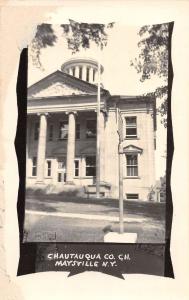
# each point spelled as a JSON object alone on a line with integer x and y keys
{"x": 83, "y": 68}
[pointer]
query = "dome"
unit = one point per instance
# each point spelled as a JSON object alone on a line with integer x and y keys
{"x": 83, "y": 68}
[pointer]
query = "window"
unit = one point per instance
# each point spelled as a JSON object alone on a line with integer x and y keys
{"x": 76, "y": 167}
{"x": 132, "y": 196}
{"x": 50, "y": 132}
{"x": 91, "y": 129}
{"x": 87, "y": 75}
{"x": 90, "y": 165}
{"x": 132, "y": 165}
{"x": 77, "y": 131}
{"x": 73, "y": 71}
{"x": 131, "y": 127}
{"x": 94, "y": 73}
{"x": 63, "y": 130}
{"x": 61, "y": 164}
{"x": 36, "y": 131}
{"x": 34, "y": 166}
{"x": 49, "y": 163}
{"x": 80, "y": 72}
{"x": 61, "y": 170}
{"x": 59, "y": 179}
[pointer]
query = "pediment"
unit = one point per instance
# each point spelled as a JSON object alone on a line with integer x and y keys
{"x": 60, "y": 84}
{"x": 132, "y": 149}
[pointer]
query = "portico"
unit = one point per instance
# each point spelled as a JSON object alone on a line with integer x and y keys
{"x": 71, "y": 146}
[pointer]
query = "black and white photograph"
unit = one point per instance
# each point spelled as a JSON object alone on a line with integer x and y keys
{"x": 94, "y": 156}
{"x": 96, "y": 148}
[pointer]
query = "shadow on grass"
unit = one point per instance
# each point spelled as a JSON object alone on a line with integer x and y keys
{"x": 143, "y": 209}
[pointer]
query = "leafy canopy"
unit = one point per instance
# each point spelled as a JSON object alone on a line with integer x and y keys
{"x": 78, "y": 35}
{"x": 153, "y": 60}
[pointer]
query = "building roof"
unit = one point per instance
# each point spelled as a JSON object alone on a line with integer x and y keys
{"x": 62, "y": 79}
{"x": 62, "y": 85}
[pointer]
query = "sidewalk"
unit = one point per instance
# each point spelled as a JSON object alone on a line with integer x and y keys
{"x": 85, "y": 216}
{"x": 107, "y": 208}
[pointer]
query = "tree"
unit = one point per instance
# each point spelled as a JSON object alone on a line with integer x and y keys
{"x": 77, "y": 35}
{"x": 153, "y": 60}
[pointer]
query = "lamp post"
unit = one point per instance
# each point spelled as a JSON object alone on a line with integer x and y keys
{"x": 121, "y": 220}
{"x": 120, "y": 154}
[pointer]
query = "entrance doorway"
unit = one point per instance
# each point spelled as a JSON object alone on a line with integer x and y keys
{"x": 61, "y": 174}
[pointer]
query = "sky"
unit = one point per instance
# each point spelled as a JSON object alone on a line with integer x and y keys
{"x": 119, "y": 77}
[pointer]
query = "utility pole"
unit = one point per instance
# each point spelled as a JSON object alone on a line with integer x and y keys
{"x": 98, "y": 133}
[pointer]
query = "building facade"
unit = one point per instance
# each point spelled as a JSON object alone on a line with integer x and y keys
{"x": 61, "y": 134}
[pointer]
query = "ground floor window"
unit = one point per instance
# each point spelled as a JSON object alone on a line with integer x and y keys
{"x": 76, "y": 167}
{"x": 49, "y": 165}
{"x": 132, "y": 196}
{"x": 90, "y": 165}
{"x": 61, "y": 170}
{"x": 34, "y": 166}
{"x": 132, "y": 165}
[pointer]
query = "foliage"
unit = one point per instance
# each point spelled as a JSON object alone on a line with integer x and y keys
{"x": 44, "y": 37}
{"x": 82, "y": 34}
{"x": 77, "y": 35}
{"x": 153, "y": 60}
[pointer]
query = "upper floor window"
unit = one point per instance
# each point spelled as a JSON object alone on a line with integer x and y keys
{"x": 63, "y": 130}
{"x": 50, "y": 132}
{"x": 77, "y": 131}
{"x": 131, "y": 127}
{"x": 36, "y": 131}
{"x": 91, "y": 129}
{"x": 132, "y": 165}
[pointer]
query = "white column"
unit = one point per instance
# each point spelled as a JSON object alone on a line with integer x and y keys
{"x": 70, "y": 71}
{"x": 102, "y": 141}
{"x": 77, "y": 71}
{"x": 41, "y": 148}
{"x": 70, "y": 148}
{"x": 90, "y": 75}
{"x": 84, "y": 73}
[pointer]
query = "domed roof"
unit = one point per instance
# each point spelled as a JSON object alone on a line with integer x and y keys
{"x": 80, "y": 61}
{"x": 85, "y": 69}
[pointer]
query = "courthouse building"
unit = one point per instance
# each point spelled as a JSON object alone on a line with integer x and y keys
{"x": 61, "y": 134}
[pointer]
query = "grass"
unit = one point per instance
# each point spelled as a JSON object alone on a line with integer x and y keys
{"x": 151, "y": 230}
{"x": 69, "y": 202}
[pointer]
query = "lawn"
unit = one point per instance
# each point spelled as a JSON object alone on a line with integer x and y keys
{"x": 66, "y": 229}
